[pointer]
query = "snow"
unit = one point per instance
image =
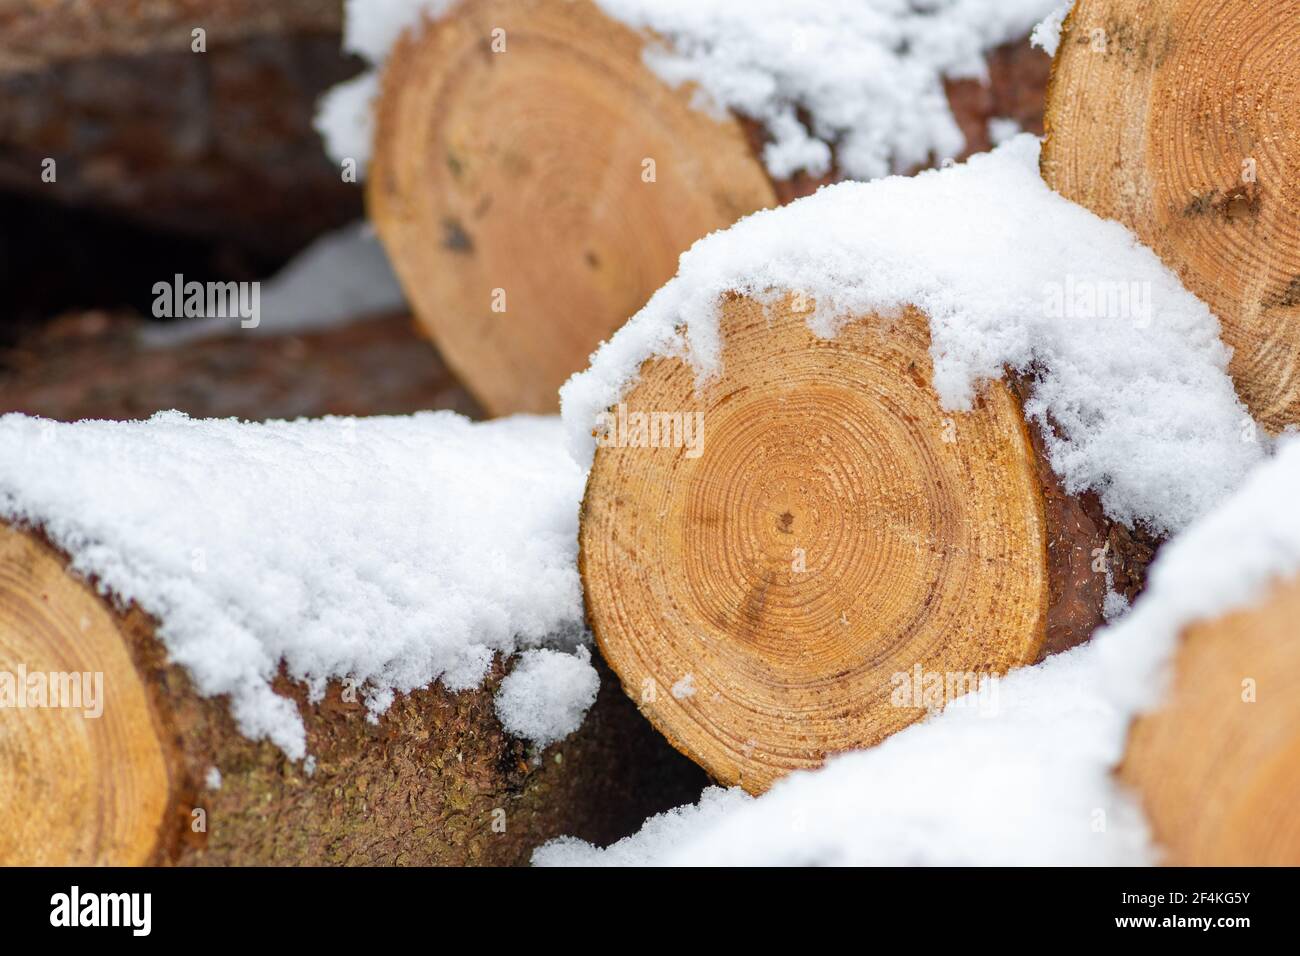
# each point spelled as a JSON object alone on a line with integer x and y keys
{"x": 1003, "y": 128}
{"x": 342, "y": 276}
{"x": 866, "y": 74}
{"x": 345, "y": 119}
{"x": 1047, "y": 35}
{"x": 1226, "y": 561}
{"x": 1128, "y": 364}
{"x": 393, "y": 551}
{"x": 1115, "y": 605}
{"x": 1028, "y": 782}
{"x": 656, "y": 835}
{"x": 547, "y": 694}
{"x": 345, "y": 114}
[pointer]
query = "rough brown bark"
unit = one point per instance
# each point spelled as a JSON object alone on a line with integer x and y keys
{"x": 36, "y": 33}
{"x": 1080, "y": 538}
{"x": 93, "y": 365}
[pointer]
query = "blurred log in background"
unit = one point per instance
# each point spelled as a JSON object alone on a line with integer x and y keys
{"x": 165, "y": 160}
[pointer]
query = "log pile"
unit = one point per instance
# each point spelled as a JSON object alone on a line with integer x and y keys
{"x": 763, "y": 602}
{"x": 1180, "y": 120}
{"x": 839, "y": 444}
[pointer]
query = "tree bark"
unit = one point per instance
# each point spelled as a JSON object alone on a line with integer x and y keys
{"x": 94, "y": 365}
{"x": 766, "y": 599}
{"x": 216, "y": 144}
{"x": 37, "y": 33}
{"x": 1217, "y": 766}
{"x": 1178, "y": 118}
{"x": 513, "y": 189}
{"x": 435, "y": 781}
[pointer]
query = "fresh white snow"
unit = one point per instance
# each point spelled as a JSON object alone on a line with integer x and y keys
{"x": 1227, "y": 560}
{"x": 1027, "y": 781}
{"x": 547, "y": 694}
{"x": 1002, "y": 128}
{"x": 859, "y": 82}
{"x": 683, "y": 688}
{"x": 1047, "y": 35}
{"x": 1130, "y": 368}
{"x": 868, "y": 74}
{"x": 345, "y": 114}
{"x": 391, "y": 551}
{"x": 345, "y": 119}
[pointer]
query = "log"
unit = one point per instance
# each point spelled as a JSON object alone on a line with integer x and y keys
{"x": 94, "y": 365}
{"x": 523, "y": 176}
{"x": 1217, "y": 766}
{"x": 1178, "y": 118}
{"x": 765, "y": 598}
{"x": 525, "y": 171}
{"x": 435, "y": 781}
{"x": 215, "y": 144}
{"x": 36, "y": 33}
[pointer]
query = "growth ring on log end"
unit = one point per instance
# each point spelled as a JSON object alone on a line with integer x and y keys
{"x": 78, "y": 791}
{"x": 534, "y": 183}
{"x": 1181, "y": 119}
{"x": 767, "y": 595}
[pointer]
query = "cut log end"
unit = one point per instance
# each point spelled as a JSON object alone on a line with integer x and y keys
{"x": 79, "y": 790}
{"x": 525, "y": 240}
{"x": 1181, "y": 119}
{"x": 1217, "y": 767}
{"x": 766, "y": 595}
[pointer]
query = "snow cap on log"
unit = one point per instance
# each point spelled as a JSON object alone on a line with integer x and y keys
{"x": 393, "y": 552}
{"x": 1130, "y": 387}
